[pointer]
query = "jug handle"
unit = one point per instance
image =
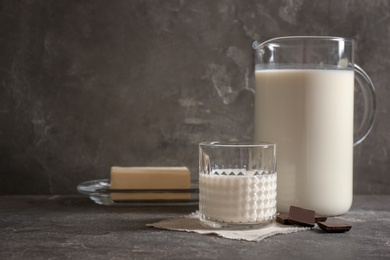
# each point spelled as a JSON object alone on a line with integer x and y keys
{"x": 368, "y": 89}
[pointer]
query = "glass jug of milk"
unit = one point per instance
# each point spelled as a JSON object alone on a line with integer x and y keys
{"x": 305, "y": 104}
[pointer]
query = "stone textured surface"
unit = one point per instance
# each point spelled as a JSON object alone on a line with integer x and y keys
{"x": 90, "y": 84}
{"x": 64, "y": 227}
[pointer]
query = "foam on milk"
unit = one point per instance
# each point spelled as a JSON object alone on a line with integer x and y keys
{"x": 309, "y": 115}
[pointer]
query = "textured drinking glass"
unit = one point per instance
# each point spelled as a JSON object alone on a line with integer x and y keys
{"x": 237, "y": 183}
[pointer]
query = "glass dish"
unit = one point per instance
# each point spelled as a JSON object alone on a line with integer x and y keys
{"x": 99, "y": 191}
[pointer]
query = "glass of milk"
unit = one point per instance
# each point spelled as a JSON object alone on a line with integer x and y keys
{"x": 237, "y": 184}
{"x": 304, "y": 103}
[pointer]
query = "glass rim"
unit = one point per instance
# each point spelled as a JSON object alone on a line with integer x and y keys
{"x": 256, "y": 44}
{"x": 237, "y": 144}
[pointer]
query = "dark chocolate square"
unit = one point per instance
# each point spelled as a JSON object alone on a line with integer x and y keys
{"x": 301, "y": 216}
{"x": 282, "y": 219}
{"x": 334, "y": 227}
{"x": 319, "y": 218}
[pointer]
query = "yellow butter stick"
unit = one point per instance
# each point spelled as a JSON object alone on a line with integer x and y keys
{"x": 146, "y": 178}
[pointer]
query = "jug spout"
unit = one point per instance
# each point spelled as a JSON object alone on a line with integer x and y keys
{"x": 255, "y": 45}
{"x": 259, "y": 50}
{"x": 258, "y": 47}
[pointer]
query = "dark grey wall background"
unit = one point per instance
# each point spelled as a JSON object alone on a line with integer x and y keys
{"x": 90, "y": 84}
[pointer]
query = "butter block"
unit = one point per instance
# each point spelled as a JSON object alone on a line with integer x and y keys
{"x": 145, "y": 178}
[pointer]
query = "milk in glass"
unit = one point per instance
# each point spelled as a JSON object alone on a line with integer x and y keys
{"x": 237, "y": 196}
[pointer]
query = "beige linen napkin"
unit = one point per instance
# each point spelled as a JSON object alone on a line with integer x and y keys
{"x": 191, "y": 223}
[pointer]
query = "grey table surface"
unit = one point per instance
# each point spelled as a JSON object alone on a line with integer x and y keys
{"x": 73, "y": 227}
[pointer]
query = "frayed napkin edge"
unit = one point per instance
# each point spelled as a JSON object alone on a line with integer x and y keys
{"x": 250, "y": 234}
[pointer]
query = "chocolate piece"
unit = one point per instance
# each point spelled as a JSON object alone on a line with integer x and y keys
{"x": 282, "y": 219}
{"x": 301, "y": 216}
{"x": 319, "y": 218}
{"x": 334, "y": 227}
